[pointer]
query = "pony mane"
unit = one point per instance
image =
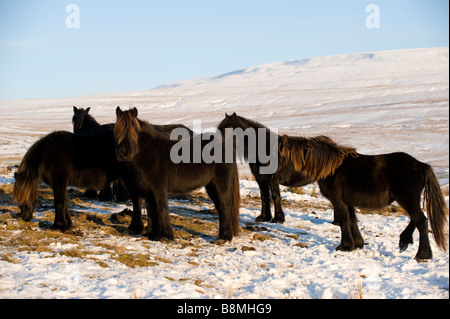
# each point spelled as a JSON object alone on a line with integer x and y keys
{"x": 127, "y": 124}
{"x": 317, "y": 157}
{"x": 239, "y": 121}
{"x": 236, "y": 121}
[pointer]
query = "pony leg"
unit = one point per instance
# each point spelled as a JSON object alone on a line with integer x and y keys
{"x": 158, "y": 217}
{"x": 105, "y": 194}
{"x": 418, "y": 218}
{"x": 120, "y": 191}
{"x": 223, "y": 207}
{"x": 62, "y": 221}
{"x": 266, "y": 215}
{"x": 276, "y": 197}
{"x": 406, "y": 236}
{"x": 342, "y": 216}
{"x": 357, "y": 237}
{"x": 136, "y": 225}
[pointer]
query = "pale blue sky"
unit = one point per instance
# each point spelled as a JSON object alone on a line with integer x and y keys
{"x": 137, "y": 45}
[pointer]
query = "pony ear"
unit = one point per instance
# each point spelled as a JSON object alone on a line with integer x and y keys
{"x": 87, "y": 110}
{"x": 75, "y": 109}
{"x": 134, "y": 112}
{"x": 233, "y": 116}
{"x": 118, "y": 111}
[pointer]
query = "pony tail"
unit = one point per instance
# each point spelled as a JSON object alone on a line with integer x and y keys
{"x": 25, "y": 190}
{"x": 437, "y": 210}
{"x": 235, "y": 202}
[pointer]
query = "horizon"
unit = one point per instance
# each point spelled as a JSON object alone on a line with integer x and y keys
{"x": 63, "y": 49}
{"x": 211, "y": 75}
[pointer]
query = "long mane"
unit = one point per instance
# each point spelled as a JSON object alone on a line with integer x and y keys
{"x": 127, "y": 124}
{"x": 316, "y": 157}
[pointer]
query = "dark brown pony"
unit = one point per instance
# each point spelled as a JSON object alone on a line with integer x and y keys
{"x": 148, "y": 153}
{"x": 349, "y": 179}
{"x": 269, "y": 184}
{"x": 85, "y": 123}
{"x": 61, "y": 159}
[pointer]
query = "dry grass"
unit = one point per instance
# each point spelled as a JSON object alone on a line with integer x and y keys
{"x": 96, "y": 234}
{"x": 92, "y": 231}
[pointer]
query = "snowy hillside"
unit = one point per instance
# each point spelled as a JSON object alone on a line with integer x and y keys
{"x": 295, "y": 260}
{"x": 376, "y": 102}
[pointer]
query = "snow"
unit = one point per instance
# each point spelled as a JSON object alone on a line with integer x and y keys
{"x": 295, "y": 260}
{"x": 377, "y": 102}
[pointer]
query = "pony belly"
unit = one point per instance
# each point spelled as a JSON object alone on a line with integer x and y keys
{"x": 89, "y": 178}
{"x": 368, "y": 200}
{"x": 186, "y": 177}
{"x": 182, "y": 186}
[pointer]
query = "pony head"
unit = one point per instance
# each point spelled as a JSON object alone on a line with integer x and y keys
{"x": 79, "y": 115}
{"x": 126, "y": 134}
{"x": 25, "y": 191}
{"x": 228, "y": 121}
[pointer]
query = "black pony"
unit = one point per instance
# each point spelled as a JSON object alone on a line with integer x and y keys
{"x": 61, "y": 159}
{"x": 268, "y": 183}
{"x": 148, "y": 153}
{"x": 84, "y": 123}
{"x": 350, "y": 180}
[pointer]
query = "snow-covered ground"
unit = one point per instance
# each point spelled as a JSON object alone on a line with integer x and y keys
{"x": 377, "y": 102}
{"x": 294, "y": 260}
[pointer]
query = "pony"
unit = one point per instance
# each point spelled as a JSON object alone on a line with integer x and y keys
{"x": 84, "y": 123}
{"x": 155, "y": 175}
{"x": 349, "y": 179}
{"x": 269, "y": 188}
{"x": 60, "y": 159}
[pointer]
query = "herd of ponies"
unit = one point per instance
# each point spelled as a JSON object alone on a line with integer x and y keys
{"x": 136, "y": 155}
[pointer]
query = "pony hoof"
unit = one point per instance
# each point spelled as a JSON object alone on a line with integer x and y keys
{"x": 135, "y": 230}
{"x": 262, "y": 218}
{"x": 164, "y": 239}
{"x": 403, "y": 246}
{"x": 422, "y": 261}
{"x": 159, "y": 237}
{"x": 220, "y": 242}
{"x": 423, "y": 257}
{"x": 60, "y": 227}
{"x": 224, "y": 238}
{"x": 342, "y": 247}
{"x": 404, "y": 243}
{"x": 277, "y": 220}
{"x": 26, "y": 218}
